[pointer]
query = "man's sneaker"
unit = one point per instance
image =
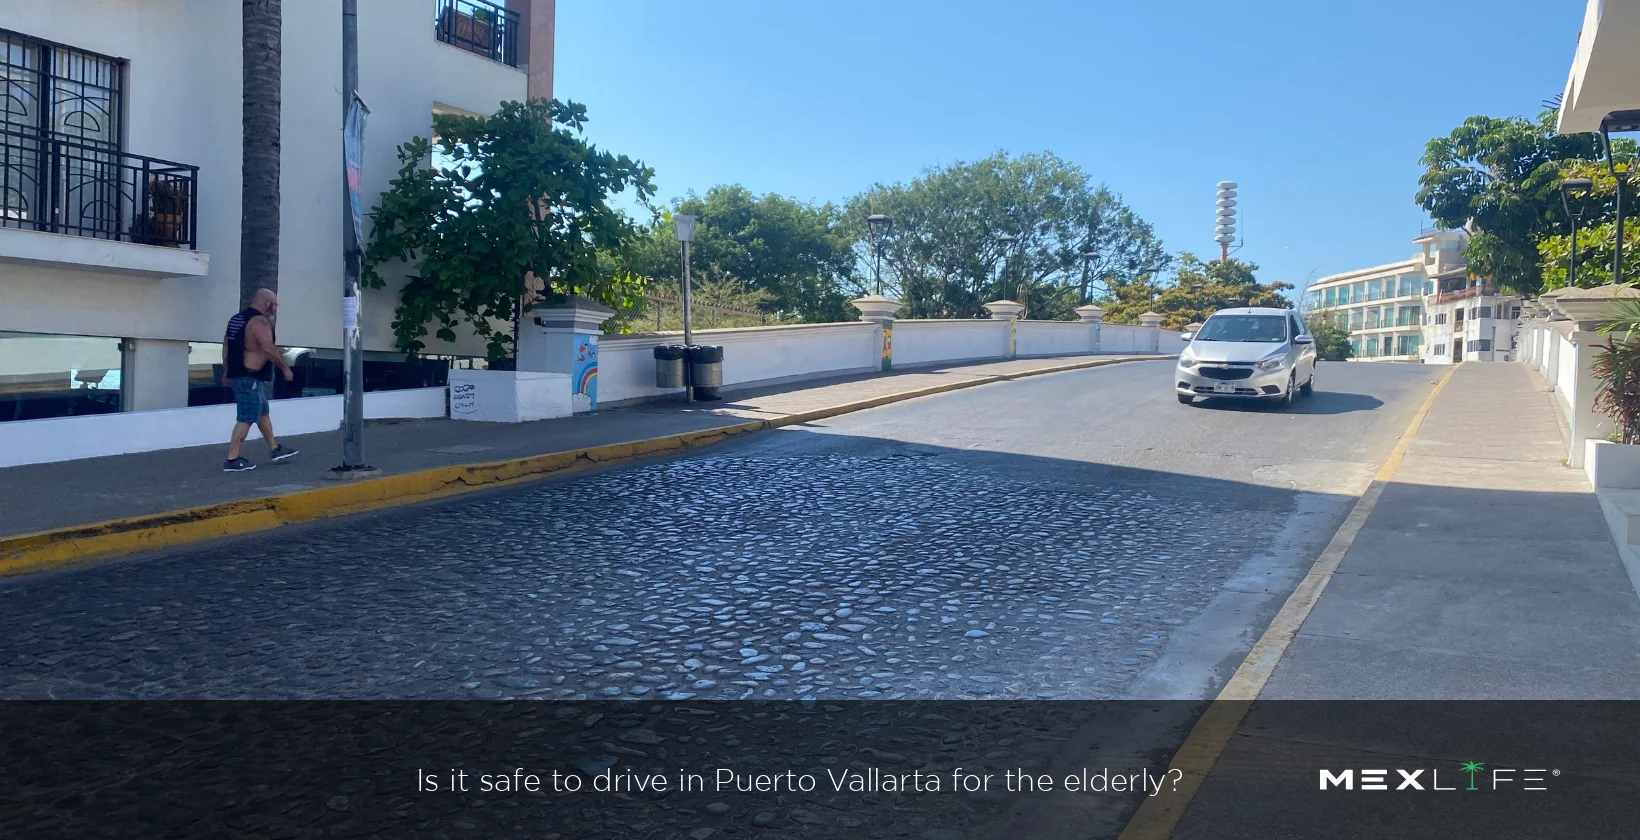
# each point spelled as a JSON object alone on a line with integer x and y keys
{"x": 239, "y": 465}
{"x": 283, "y": 452}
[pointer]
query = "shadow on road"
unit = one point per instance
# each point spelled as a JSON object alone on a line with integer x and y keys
{"x": 1321, "y": 402}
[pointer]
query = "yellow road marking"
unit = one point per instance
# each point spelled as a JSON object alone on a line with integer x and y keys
{"x": 1159, "y": 816}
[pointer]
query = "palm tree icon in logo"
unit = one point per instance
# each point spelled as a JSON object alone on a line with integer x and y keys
{"x": 1471, "y": 767}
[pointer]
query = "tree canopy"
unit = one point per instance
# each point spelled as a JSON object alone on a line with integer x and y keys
{"x": 1332, "y": 341}
{"x": 516, "y": 212}
{"x": 1595, "y": 230}
{"x": 801, "y": 256}
{"x": 1194, "y": 293}
{"x": 945, "y": 255}
{"x": 1502, "y": 178}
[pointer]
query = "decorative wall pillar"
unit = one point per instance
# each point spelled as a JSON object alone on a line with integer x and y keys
{"x": 1153, "y": 322}
{"x": 1094, "y": 316}
{"x": 564, "y": 339}
{"x": 1009, "y": 310}
{"x": 879, "y": 310}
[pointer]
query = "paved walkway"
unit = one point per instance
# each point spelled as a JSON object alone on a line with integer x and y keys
{"x": 47, "y": 496}
{"x": 1485, "y": 572}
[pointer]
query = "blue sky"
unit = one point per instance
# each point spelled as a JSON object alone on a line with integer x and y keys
{"x": 1320, "y": 109}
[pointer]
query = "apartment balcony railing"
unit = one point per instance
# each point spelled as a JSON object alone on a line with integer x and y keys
{"x": 480, "y": 26}
{"x": 1465, "y": 294}
{"x": 58, "y": 184}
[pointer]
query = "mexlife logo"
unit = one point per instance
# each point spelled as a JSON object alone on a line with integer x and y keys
{"x": 1470, "y": 776}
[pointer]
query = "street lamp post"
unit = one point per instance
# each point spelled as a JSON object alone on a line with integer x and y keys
{"x": 685, "y": 229}
{"x": 1007, "y": 240}
{"x": 878, "y": 224}
{"x": 1087, "y": 265}
{"x": 1582, "y": 186}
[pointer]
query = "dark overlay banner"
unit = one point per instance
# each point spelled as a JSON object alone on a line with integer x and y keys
{"x": 926, "y": 770}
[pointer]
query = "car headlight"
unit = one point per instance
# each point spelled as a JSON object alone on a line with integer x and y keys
{"x": 1273, "y": 364}
{"x": 1186, "y": 360}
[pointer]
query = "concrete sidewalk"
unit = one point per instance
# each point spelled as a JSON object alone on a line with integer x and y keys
{"x": 44, "y": 497}
{"x": 1484, "y": 572}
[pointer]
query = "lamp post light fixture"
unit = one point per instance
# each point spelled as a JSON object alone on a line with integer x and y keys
{"x": 878, "y": 224}
{"x": 684, "y": 226}
{"x": 1225, "y": 230}
{"x": 1582, "y": 187}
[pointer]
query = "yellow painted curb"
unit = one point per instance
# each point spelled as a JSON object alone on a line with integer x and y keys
{"x": 60, "y": 547}
{"x": 1159, "y": 816}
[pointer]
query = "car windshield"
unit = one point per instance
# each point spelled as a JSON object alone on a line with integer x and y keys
{"x": 1271, "y": 329}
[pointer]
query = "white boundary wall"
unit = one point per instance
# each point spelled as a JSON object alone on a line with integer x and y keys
{"x": 1565, "y": 355}
{"x": 626, "y": 373}
{"x": 98, "y": 435}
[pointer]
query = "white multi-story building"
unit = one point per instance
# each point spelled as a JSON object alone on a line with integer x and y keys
{"x": 120, "y": 146}
{"x": 1423, "y": 309}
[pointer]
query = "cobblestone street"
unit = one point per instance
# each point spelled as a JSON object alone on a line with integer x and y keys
{"x": 845, "y": 562}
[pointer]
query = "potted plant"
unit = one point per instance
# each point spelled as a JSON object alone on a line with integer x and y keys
{"x": 161, "y": 223}
{"x": 1615, "y": 462}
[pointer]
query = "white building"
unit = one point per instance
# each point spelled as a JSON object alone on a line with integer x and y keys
{"x": 120, "y": 144}
{"x": 1423, "y": 309}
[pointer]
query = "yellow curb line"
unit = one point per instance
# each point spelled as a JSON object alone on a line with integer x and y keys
{"x": 59, "y": 547}
{"x": 1158, "y": 816}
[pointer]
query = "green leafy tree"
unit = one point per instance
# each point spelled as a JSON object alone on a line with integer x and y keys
{"x": 1195, "y": 292}
{"x": 945, "y": 256}
{"x": 1595, "y": 230}
{"x": 516, "y": 213}
{"x": 800, "y": 256}
{"x": 1332, "y": 341}
{"x": 1501, "y": 178}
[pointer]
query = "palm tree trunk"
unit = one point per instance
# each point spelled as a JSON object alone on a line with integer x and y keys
{"x": 259, "y": 207}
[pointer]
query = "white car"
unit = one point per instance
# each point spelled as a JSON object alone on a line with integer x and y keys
{"x": 1254, "y": 353}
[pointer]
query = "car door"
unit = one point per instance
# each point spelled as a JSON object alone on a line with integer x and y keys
{"x": 1305, "y": 363}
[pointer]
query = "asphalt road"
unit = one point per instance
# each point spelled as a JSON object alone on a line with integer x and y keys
{"x": 1078, "y": 535}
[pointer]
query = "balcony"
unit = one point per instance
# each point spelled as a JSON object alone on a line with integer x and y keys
{"x": 1465, "y": 294}
{"x": 71, "y": 203}
{"x": 480, "y": 27}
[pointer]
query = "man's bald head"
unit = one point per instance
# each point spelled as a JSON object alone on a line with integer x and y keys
{"x": 265, "y": 300}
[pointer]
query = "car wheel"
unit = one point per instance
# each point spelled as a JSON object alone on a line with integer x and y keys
{"x": 1291, "y": 396}
{"x": 1308, "y": 387}
{"x": 1186, "y": 399}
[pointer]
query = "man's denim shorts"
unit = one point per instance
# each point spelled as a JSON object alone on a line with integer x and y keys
{"x": 251, "y": 397}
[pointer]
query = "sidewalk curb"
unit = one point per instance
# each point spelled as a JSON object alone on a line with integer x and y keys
{"x": 60, "y": 547}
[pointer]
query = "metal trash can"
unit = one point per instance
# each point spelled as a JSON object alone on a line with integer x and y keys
{"x": 706, "y": 371}
{"x": 669, "y": 372}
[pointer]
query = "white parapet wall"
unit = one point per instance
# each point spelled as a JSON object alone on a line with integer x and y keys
{"x": 1053, "y": 338}
{"x": 626, "y": 363}
{"x": 935, "y": 341}
{"x": 99, "y": 435}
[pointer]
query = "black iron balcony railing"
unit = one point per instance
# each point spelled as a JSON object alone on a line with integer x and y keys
{"x": 58, "y": 184}
{"x": 480, "y": 26}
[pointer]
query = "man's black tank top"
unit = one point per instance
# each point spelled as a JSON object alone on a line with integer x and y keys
{"x": 235, "y": 339}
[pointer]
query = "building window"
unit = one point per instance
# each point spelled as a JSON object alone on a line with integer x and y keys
{"x": 58, "y": 375}
{"x": 1372, "y": 347}
{"x": 1440, "y": 318}
{"x": 1410, "y": 287}
{"x": 1440, "y": 349}
{"x": 1407, "y": 345}
{"x": 317, "y": 373}
{"x": 1356, "y": 316}
{"x": 484, "y": 27}
{"x": 1374, "y": 290}
{"x": 61, "y": 91}
{"x": 1482, "y": 345}
{"x": 1485, "y": 312}
{"x": 1515, "y": 313}
{"x": 1372, "y": 318}
{"x": 1329, "y": 297}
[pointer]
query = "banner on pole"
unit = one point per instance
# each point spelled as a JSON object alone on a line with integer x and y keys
{"x": 353, "y": 160}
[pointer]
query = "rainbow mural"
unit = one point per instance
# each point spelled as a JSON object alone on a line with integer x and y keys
{"x": 584, "y": 379}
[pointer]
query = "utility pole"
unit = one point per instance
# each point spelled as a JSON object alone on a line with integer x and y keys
{"x": 353, "y": 116}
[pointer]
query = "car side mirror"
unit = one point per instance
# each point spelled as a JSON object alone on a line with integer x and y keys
{"x": 1186, "y": 336}
{"x": 1304, "y": 339}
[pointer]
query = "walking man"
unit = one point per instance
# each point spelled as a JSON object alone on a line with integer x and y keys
{"x": 249, "y": 356}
